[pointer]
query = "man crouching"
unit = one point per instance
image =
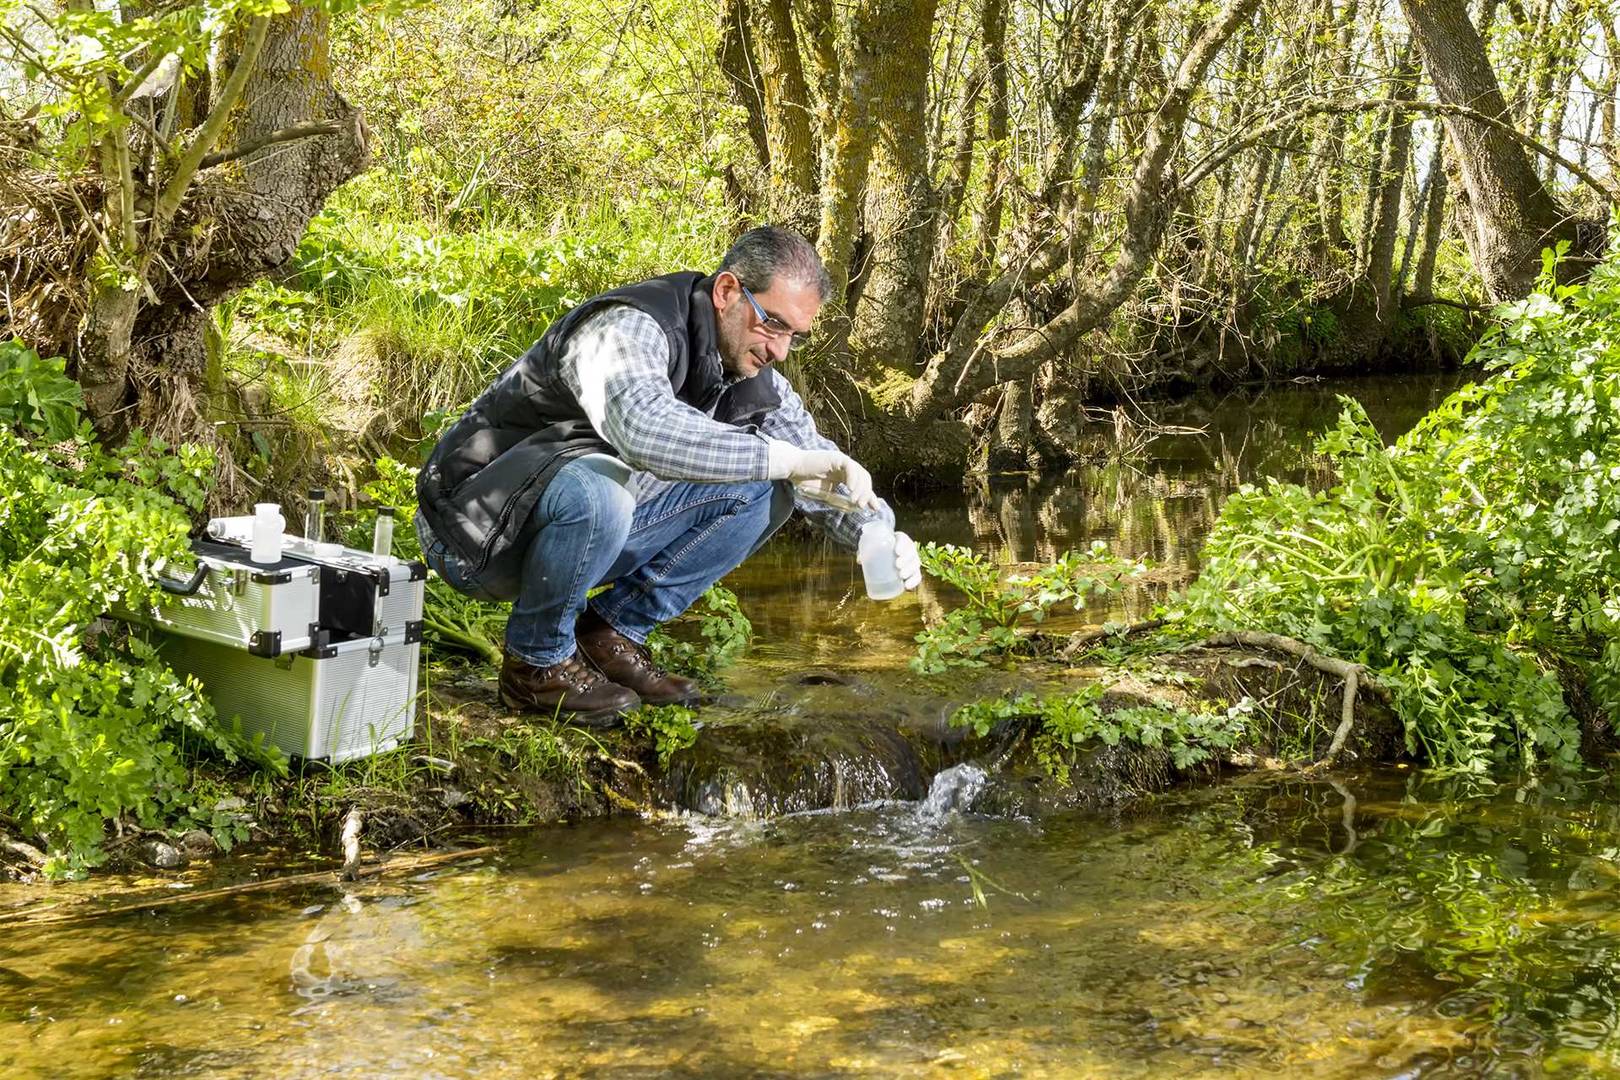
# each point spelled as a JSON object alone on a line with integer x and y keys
{"x": 644, "y": 440}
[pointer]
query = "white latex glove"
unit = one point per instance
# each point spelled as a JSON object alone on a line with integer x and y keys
{"x": 907, "y": 561}
{"x": 821, "y": 471}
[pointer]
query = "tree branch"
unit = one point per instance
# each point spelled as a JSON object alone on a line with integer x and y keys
{"x": 168, "y": 201}
{"x": 1201, "y": 172}
{"x": 306, "y": 130}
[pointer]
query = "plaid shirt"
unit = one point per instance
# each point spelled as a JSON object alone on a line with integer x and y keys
{"x": 616, "y": 364}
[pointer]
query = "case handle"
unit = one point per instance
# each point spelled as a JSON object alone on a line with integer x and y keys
{"x": 188, "y": 587}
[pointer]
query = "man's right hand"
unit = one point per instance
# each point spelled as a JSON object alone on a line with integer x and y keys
{"x": 823, "y": 468}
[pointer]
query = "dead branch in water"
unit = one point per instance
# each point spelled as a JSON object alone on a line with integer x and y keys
{"x": 393, "y": 866}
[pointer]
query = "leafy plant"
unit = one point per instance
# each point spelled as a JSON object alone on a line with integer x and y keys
{"x": 671, "y": 727}
{"x": 1000, "y": 609}
{"x": 93, "y": 725}
{"x": 1467, "y": 562}
{"x": 1068, "y": 723}
{"x": 725, "y": 631}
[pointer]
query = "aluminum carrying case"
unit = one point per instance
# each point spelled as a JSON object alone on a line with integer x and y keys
{"x": 345, "y": 686}
{"x": 339, "y": 701}
{"x": 261, "y": 609}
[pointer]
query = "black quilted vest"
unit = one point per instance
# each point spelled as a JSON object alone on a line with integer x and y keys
{"x": 480, "y": 485}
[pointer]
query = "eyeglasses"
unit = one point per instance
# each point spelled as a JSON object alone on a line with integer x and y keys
{"x": 773, "y": 327}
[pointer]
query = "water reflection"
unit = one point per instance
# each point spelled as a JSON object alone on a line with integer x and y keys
{"x": 1160, "y": 504}
{"x": 808, "y": 606}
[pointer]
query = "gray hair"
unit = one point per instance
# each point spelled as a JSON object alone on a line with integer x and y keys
{"x": 759, "y": 255}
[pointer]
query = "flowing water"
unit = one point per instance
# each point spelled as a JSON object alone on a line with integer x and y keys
{"x": 1377, "y": 924}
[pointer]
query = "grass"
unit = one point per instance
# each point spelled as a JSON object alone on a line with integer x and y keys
{"x": 385, "y": 328}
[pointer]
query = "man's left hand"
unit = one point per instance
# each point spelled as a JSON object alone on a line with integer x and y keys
{"x": 907, "y": 561}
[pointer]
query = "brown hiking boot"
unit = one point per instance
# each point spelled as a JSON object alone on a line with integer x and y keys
{"x": 629, "y": 664}
{"x": 572, "y": 690}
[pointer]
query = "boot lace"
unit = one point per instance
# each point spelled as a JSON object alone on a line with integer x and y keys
{"x": 579, "y": 676}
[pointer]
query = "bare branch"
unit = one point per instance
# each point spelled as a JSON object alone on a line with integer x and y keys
{"x": 1200, "y": 172}
{"x": 307, "y": 130}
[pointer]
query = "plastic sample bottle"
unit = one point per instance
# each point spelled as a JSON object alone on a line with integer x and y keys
{"x": 875, "y": 553}
{"x": 268, "y": 525}
{"x": 382, "y": 536}
{"x": 315, "y": 515}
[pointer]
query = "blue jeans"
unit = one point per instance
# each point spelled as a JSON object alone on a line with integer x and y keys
{"x": 660, "y": 555}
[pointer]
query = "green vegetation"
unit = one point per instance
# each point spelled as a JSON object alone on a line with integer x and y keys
{"x": 1471, "y": 562}
{"x": 394, "y": 326}
{"x": 1068, "y": 724}
{"x": 721, "y": 624}
{"x": 1000, "y": 611}
{"x": 672, "y": 728}
{"x": 92, "y": 725}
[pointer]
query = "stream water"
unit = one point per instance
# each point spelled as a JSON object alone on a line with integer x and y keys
{"x": 1376, "y": 924}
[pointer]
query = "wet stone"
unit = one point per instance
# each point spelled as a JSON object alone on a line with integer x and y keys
{"x": 163, "y": 856}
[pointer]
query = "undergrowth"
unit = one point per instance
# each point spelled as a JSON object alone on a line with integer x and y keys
{"x": 1068, "y": 724}
{"x": 1471, "y": 561}
{"x": 93, "y": 725}
{"x": 1000, "y": 611}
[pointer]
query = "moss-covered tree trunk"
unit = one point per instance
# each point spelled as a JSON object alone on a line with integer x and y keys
{"x": 789, "y": 127}
{"x": 899, "y": 199}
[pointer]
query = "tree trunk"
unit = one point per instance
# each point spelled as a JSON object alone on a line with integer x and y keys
{"x": 819, "y": 28}
{"x": 993, "y": 16}
{"x": 1386, "y": 220}
{"x": 899, "y": 196}
{"x": 1512, "y": 216}
{"x": 1609, "y": 91}
{"x": 1330, "y": 148}
{"x": 735, "y": 58}
{"x": 264, "y": 209}
{"x": 788, "y": 127}
{"x": 1434, "y": 220}
{"x": 847, "y": 154}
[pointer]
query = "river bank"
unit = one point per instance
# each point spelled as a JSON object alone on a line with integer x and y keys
{"x": 822, "y": 711}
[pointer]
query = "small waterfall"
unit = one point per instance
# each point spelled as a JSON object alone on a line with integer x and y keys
{"x": 953, "y": 789}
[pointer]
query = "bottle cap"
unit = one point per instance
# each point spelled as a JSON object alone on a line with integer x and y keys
{"x": 385, "y": 511}
{"x": 317, "y": 493}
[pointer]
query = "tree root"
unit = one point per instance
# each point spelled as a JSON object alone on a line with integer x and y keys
{"x": 1355, "y": 676}
{"x": 27, "y": 852}
{"x": 1081, "y": 640}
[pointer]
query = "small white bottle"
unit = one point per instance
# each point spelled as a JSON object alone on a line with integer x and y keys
{"x": 876, "y": 555}
{"x": 268, "y": 525}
